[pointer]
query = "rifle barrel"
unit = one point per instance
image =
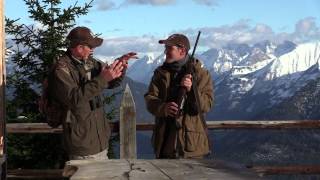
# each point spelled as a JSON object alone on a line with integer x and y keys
{"x": 196, "y": 44}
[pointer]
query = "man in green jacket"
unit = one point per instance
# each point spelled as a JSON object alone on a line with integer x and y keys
{"x": 76, "y": 83}
{"x": 169, "y": 141}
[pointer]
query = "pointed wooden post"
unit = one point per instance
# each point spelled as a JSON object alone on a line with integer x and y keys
{"x": 128, "y": 144}
{"x": 2, "y": 92}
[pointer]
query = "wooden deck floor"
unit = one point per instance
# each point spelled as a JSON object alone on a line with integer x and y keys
{"x": 157, "y": 170}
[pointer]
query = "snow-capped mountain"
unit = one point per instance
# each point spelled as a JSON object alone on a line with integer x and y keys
{"x": 298, "y": 60}
{"x": 247, "y": 90}
{"x": 290, "y": 71}
{"x": 247, "y": 78}
{"x": 285, "y": 47}
{"x": 217, "y": 61}
{"x": 142, "y": 69}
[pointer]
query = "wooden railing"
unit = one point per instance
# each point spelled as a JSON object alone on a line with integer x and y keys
{"x": 35, "y": 128}
{"x": 127, "y": 128}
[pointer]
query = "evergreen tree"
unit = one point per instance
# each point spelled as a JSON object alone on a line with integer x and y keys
{"x": 35, "y": 47}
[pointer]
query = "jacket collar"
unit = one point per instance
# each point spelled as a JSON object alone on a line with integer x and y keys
{"x": 177, "y": 65}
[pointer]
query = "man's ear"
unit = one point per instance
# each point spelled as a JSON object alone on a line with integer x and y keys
{"x": 183, "y": 51}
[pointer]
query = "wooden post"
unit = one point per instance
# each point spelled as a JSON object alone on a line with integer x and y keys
{"x": 2, "y": 92}
{"x": 128, "y": 144}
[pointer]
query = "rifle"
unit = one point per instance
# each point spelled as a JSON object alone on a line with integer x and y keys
{"x": 182, "y": 95}
{"x": 181, "y": 100}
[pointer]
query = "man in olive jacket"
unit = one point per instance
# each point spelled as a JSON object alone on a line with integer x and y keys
{"x": 191, "y": 140}
{"x": 76, "y": 83}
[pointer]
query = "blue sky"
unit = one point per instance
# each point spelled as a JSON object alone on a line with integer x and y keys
{"x": 222, "y": 21}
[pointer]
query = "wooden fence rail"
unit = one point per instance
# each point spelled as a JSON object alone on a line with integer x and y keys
{"x": 212, "y": 125}
{"x": 273, "y": 170}
{"x": 35, "y": 174}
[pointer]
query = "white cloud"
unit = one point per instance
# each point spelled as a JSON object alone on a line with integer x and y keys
{"x": 306, "y": 25}
{"x": 105, "y": 5}
{"x": 242, "y": 32}
{"x": 212, "y": 37}
{"x": 306, "y": 29}
{"x": 207, "y": 2}
{"x": 262, "y": 28}
{"x": 113, "y": 47}
{"x": 149, "y": 2}
{"x": 87, "y": 21}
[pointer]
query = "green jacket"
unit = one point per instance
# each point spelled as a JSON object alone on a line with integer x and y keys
{"x": 192, "y": 135}
{"x": 85, "y": 129}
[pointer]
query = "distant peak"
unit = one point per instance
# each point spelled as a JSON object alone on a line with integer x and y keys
{"x": 284, "y": 47}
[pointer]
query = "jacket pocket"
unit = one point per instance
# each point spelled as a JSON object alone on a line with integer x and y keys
{"x": 191, "y": 140}
{"x": 80, "y": 132}
{"x": 195, "y": 137}
{"x": 196, "y": 142}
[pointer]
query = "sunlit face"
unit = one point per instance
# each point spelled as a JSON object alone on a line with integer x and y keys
{"x": 83, "y": 51}
{"x": 86, "y": 51}
{"x": 174, "y": 53}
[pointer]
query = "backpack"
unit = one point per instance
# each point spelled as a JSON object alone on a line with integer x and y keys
{"x": 51, "y": 110}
